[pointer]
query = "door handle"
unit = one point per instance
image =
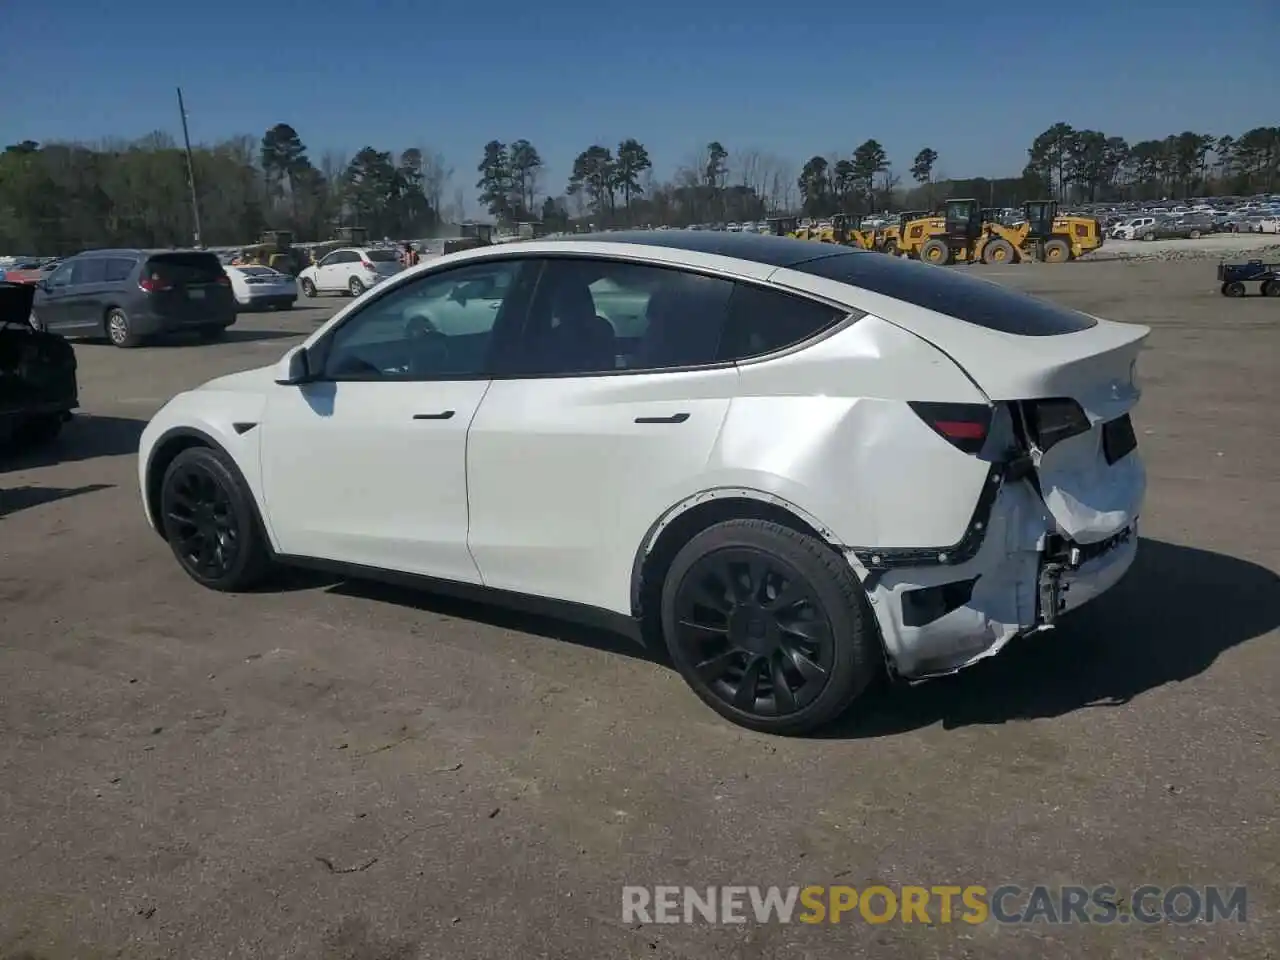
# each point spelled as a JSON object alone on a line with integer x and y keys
{"x": 674, "y": 418}
{"x": 442, "y": 415}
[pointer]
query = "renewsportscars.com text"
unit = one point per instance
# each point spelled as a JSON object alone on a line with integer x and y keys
{"x": 973, "y": 904}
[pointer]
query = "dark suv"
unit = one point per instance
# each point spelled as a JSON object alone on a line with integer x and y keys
{"x": 128, "y": 295}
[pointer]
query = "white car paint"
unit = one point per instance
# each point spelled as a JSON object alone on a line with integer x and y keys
{"x": 350, "y": 270}
{"x": 547, "y": 486}
{"x": 256, "y": 285}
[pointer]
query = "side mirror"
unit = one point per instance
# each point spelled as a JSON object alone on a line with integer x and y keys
{"x": 294, "y": 368}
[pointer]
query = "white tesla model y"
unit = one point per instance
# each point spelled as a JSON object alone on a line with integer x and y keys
{"x": 792, "y": 462}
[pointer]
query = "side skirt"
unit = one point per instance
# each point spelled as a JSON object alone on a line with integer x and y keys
{"x": 581, "y": 613}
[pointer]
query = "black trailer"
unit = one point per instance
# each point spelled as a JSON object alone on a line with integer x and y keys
{"x": 1234, "y": 276}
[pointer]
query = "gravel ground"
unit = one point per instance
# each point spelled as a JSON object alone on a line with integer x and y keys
{"x": 345, "y": 771}
{"x": 1220, "y": 246}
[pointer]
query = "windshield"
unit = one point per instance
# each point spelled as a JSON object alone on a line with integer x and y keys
{"x": 185, "y": 267}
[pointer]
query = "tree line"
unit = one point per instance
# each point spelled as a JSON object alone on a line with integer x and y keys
{"x": 57, "y": 198}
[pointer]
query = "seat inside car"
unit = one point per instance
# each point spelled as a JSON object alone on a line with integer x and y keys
{"x": 574, "y": 338}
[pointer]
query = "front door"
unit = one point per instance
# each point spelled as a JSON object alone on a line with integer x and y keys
{"x": 367, "y": 464}
{"x": 334, "y": 271}
{"x": 54, "y": 299}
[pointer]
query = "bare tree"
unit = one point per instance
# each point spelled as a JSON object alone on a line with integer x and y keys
{"x": 436, "y": 175}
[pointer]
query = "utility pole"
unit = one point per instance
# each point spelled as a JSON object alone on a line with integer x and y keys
{"x": 191, "y": 170}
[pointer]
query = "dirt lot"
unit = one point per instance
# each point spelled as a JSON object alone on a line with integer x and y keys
{"x": 347, "y": 771}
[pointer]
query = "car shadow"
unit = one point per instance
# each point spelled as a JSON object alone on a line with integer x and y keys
{"x": 86, "y": 437}
{"x": 1167, "y": 621}
{"x": 503, "y": 618}
{"x": 14, "y": 499}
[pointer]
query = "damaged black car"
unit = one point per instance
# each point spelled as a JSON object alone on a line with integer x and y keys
{"x": 38, "y": 387}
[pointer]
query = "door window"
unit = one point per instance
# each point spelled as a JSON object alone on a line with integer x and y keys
{"x": 331, "y": 259}
{"x": 606, "y": 316}
{"x": 62, "y": 276}
{"x": 439, "y": 325}
{"x": 762, "y": 321}
{"x": 90, "y": 270}
{"x": 117, "y": 270}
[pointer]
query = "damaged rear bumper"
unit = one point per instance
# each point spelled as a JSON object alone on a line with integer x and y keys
{"x": 937, "y": 620}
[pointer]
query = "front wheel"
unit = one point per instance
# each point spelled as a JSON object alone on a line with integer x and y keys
{"x": 308, "y": 288}
{"x": 206, "y": 513}
{"x": 1233, "y": 289}
{"x": 39, "y": 430}
{"x": 213, "y": 333}
{"x": 769, "y": 626}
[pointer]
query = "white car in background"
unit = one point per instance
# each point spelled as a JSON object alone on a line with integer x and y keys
{"x": 262, "y": 288}
{"x": 793, "y": 463}
{"x": 350, "y": 270}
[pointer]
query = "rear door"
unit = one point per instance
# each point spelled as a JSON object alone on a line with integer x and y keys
{"x": 605, "y": 418}
{"x": 1067, "y": 380}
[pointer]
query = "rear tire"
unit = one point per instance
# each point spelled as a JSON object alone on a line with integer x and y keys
{"x": 356, "y": 287}
{"x": 936, "y": 252}
{"x": 36, "y": 323}
{"x": 1233, "y": 289}
{"x": 1271, "y": 288}
{"x": 118, "y": 331}
{"x": 758, "y": 659}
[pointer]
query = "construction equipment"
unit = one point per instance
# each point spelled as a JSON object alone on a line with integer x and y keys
{"x": 782, "y": 226}
{"x": 890, "y": 240}
{"x": 1041, "y": 235}
{"x": 470, "y": 236}
{"x": 963, "y": 234}
{"x": 275, "y": 249}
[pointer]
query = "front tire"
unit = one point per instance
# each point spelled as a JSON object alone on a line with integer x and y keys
{"x": 769, "y": 626}
{"x": 39, "y": 430}
{"x": 207, "y": 515}
{"x": 1233, "y": 289}
{"x": 308, "y": 288}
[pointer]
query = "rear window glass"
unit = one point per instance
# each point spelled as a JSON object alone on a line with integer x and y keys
{"x": 384, "y": 256}
{"x": 185, "y": 267}
{"x": 948, "y": 291}
{"x": 762, "y": 321}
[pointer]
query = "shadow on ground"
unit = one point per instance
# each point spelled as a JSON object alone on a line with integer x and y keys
{"x": 1178, "y": 609}
{"x": 84, "y": 438}
{"x": 24, "y": 498}
{"x": 1168, "y": 620}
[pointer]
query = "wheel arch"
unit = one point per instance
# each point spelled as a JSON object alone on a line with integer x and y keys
{"x": 166, "y": 449}
{"x": 681, "y": 522}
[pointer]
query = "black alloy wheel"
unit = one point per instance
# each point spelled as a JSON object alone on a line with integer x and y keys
{"x": 769, "y": 626}
{"x": 755, "y": 630}
{"x": 208, "y": 520}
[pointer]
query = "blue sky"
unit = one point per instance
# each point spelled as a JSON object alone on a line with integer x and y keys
{"x": 568, "y": 73}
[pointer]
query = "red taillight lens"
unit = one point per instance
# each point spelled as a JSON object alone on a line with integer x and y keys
{"x": 368, "y": 266}
{"x": 153, "y": 284}
{"x": 963, "y": 425}
{"x": 224, "y": 281}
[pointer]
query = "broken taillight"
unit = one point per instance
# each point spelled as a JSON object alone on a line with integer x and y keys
{"x": 963, "y": 425}
{"x": 1052, "y": 421}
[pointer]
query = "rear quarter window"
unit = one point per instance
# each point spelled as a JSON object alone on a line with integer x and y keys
{"x": 117, "y": 270}
{"x": 946, "y": 291}
{"x": 763, "y": 321}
